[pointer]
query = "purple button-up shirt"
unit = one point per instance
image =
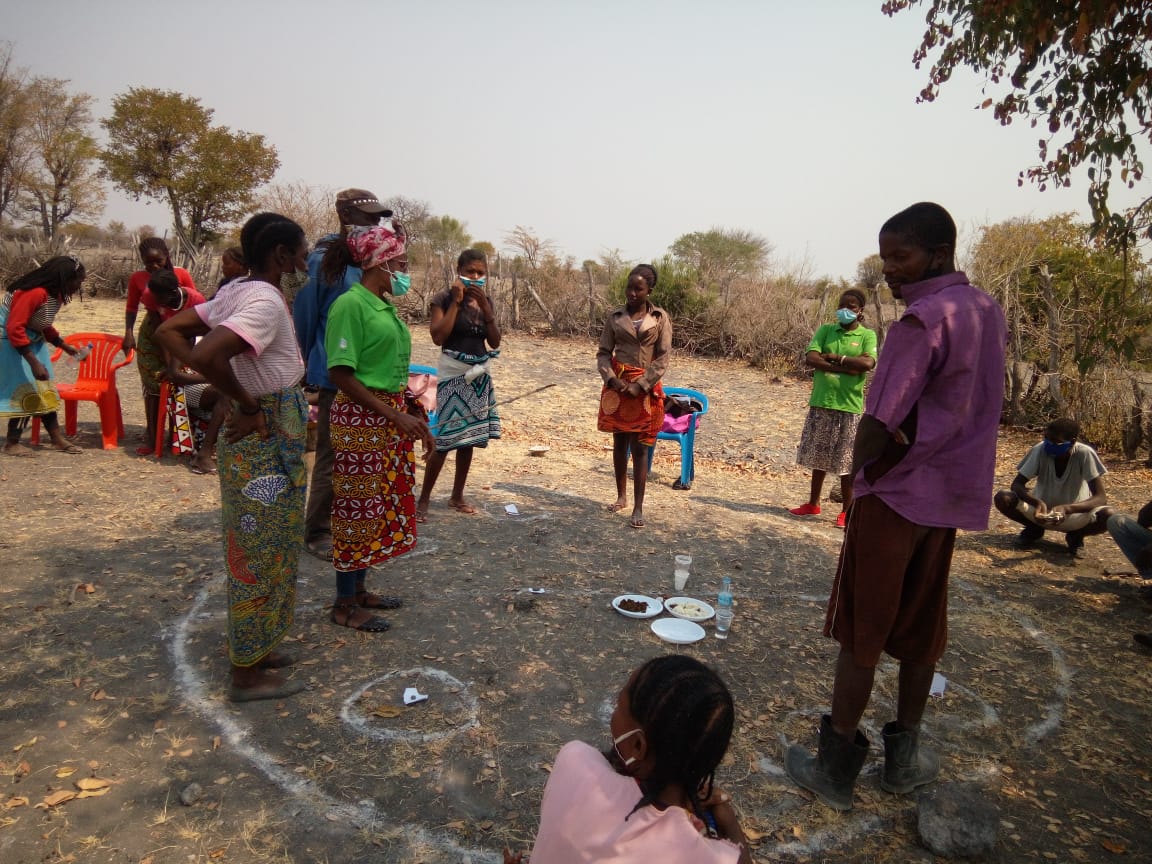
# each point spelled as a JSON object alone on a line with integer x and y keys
{"x": 944, "y": 359}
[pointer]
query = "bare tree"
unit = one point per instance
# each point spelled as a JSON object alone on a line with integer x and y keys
{"x": 530, "y": 248}
{"x": 313, "y": 208}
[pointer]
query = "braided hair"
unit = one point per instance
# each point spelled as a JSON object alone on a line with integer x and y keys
{"x": 53, "y": 275}
{"x": 647, "y": 271}
{"x": 687, "y": 715}
{"x": 263, "y": 233}
{"x": 156, "y": 244}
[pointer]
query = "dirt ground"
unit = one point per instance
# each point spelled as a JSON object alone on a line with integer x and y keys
{"x": 113, "y": 670}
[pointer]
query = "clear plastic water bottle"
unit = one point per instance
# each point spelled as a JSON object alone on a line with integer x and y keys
{"x": 724, "y": 611}
{"x": 79, "y": 357}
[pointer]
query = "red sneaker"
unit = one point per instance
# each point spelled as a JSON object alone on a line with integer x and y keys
{"x": 806, "y": 510}
{"x": 841, "y": 520}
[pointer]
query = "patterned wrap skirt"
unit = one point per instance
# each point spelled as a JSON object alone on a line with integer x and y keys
{"x": 373, "y": 478}
{"x": 466, "y": 413}
{"x": 150, "y": 361}
{"x": 21, "y": 395}
{"x": 620, "y": 412}
{"x": 827, "y": 440}
{"x": 262, "y": 489}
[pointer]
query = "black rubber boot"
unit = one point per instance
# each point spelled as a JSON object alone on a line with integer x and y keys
{"x": 906, "y": 764}
{"x": 831, "y": 773}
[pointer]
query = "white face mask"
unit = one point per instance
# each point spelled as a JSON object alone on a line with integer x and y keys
{"x": 616, "y": 746}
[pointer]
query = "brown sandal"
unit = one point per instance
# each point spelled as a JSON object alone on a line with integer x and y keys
{"x": 372, "y": 625}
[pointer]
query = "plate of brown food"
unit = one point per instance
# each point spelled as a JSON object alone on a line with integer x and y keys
{"x": 638, "y": 606}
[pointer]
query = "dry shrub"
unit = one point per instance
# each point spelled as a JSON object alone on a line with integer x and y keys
{"x": 764, "y": 323}
{"x": 108, "y": 268}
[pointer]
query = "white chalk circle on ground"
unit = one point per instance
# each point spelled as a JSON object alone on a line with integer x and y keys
{"x": 449, "y": 697}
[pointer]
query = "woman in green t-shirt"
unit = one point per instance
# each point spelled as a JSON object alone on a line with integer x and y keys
{"x": 373, "y": 425}
{"x": 842, "y": 354}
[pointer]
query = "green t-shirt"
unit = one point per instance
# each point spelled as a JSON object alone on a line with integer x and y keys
{"x": 365, "y": 332}
{"x": 837, "y": 390}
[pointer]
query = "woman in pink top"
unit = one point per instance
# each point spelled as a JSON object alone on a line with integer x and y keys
{"x": 249, "y": 354}
{"x": 652, "y": 797}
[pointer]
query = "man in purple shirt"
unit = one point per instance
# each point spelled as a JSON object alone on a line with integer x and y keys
{"x": 924, "y": 461}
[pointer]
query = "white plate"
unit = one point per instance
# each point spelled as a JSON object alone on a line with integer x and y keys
{"x": 538, "y": 451}
{"x": 672, "y": 607}
{"x": 678, "y": 631}
{"x": 655, "y": 606}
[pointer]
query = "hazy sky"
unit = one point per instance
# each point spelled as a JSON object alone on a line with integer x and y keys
{"x": 598, "y": 124}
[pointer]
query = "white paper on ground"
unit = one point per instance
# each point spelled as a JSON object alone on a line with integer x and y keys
{"x": 939, "y": 682}
{"x": 511, "y": 510}
{"x": 412, "y": 695}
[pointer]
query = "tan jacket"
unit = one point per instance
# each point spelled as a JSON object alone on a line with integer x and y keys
{"x": 649, "y": 349}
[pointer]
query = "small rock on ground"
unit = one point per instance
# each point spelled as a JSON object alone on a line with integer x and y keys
{"x": 956, "y": 820}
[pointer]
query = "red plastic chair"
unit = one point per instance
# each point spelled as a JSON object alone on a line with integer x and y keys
{"x": 95, "y": 382}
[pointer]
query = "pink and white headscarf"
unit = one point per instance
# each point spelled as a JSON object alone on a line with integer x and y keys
{"x": 372, "y": 246}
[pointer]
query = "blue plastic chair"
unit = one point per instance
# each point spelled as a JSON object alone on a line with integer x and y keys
{"x": 687, "y": 439}
{"x": 418, "y": 369}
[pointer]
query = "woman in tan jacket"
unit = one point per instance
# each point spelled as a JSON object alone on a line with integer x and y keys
{"x": 632, "y": 358}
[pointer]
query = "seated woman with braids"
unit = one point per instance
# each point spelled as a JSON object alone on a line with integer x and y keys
{"x": 652, "y": 796}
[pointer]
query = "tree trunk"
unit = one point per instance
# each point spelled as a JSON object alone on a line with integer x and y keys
{"x": 515, "y": 301}
{"x": 880, "y": 325}
{"x": 591, "y": 301}
{"x": 1019, "y": 376}
{"x": 1055, "y": 354}
{"x": 532, "y": 293}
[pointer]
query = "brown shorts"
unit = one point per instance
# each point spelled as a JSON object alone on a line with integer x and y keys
{"x": 891, "y": 590}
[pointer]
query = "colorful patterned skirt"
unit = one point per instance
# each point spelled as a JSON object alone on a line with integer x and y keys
{"x": 373, "y": 477}
{"x": 827, "y": 440}
{"x": 620, "y": 412}
{"x": 262, "y": 487}
{"x": 150, "y": 361}
{"x": 21, "y": 395}
{"x": 466, "y": 413}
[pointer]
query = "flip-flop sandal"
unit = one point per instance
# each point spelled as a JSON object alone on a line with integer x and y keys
{"x": 466, "y": 509}
{"x": 21, "y": 452}
{"x": 266, "y": 691}
{"x": 614, "y": 508}
{"x": 372, "y": 625}
{"x": 421, "y": 517}
{"x": 71, "y": 449}
{"x": 144, "y": 450}
{"x": 196, "y": 469}
{"x": 636, "y": 523}
{"x": 368, "y": 600}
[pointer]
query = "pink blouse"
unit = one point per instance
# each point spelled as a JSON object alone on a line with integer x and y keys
{"x": 582, "y": 820}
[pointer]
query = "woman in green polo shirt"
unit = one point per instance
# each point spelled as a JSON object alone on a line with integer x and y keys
{"x": 842, "y": 354}
{"x": 374, "y": 467}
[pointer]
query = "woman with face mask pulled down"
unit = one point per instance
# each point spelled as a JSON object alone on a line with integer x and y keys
{"x": 373, "y": 422}
{"x": 652, "y": 796}
{"x": 841, "y": 354}
{"x": 249, "y": 354}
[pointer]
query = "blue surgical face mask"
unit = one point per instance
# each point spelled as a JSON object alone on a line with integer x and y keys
{"x": 401, "y": 282}
{"x": 1057, "y": 449}
{"x": 846, "y": 316}
{"x": 474, "y": 283}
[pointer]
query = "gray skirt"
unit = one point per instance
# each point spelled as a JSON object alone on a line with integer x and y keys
{"x": 827, "y": 439}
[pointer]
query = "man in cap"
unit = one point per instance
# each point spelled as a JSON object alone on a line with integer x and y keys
{"x": 310, "y": 314}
